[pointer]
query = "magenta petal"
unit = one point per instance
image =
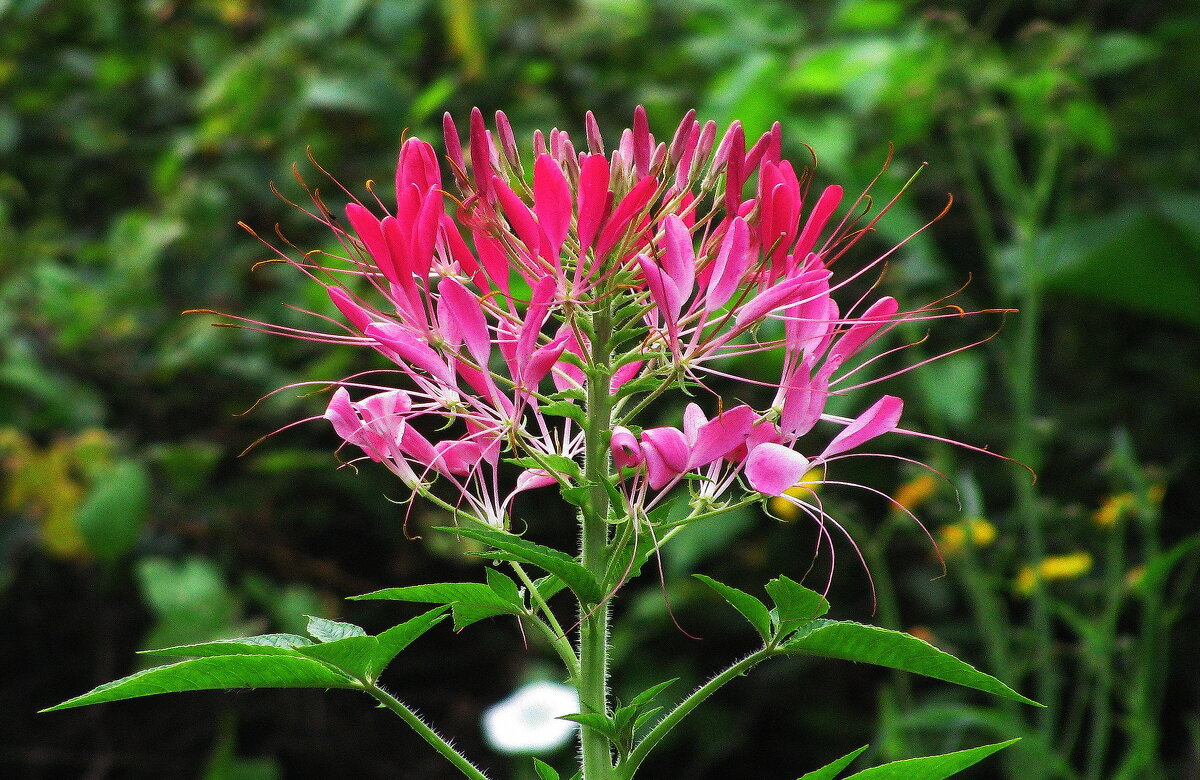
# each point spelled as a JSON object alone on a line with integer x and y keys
{"x": 679, "y": 256}
{"x": 533, "y": 478}
{"x": 357, "y": 315}
{"x": 826, "y": 205}
{"x": 721, "y": 435}
{"x": 874, "y": 319}
{"x": 467, "y": 318}
{"x": 732, "y": 261}
{"x": 773, "y": 468}
{"x": 551, "y": 201}
{"x": 666, "y": 453}
{"x": 626, "y": 451}
{"x": 881, "y": 418}
{"x": 593, "y": 199}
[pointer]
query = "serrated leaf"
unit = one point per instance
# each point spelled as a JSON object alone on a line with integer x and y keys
{"x": 895, "y": 650}
{"x": 351, "y": 654}
{"x": 324, "y": 630}
{"x": 559, "y": 463}
{"x": 214, "y": 674}
{"x": 645, "y": 717}
{"x": 554, "y": 561}
{"x": 504, "y": 587}
{"x": 396, "y": 638}
{"x": 596, "y": 722}
{"x": 441, "y": 593}
{"x": 795, "y": 603}
{"x": 930, "y": 767}
{"x": 830, "y": 771}
{"x": 264, "y": 644}
{"x": 751, "y": 608}
{"x": 466, "y": 614}
{"x": 564, "y": 409}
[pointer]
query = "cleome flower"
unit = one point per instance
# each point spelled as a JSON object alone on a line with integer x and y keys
{"x": 514, "y": 298}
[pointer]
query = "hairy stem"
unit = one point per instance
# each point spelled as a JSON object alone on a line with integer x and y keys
{"x": 593, "y": 626}
{"x": 426, "y": 733}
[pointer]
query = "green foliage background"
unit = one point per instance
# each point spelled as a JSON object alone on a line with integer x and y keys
{"x": 135, "y": 134}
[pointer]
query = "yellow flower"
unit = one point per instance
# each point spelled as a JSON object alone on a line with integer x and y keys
{"x": 785, "y": 510}
{"x": 953, "y": 538}
{"x": 916, "y": 491}
{"x": 1113, "y": 510}
{"x": 1055, "y": 567}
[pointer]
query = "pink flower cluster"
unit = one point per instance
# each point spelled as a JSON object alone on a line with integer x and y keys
{"x": 649, "y": 266}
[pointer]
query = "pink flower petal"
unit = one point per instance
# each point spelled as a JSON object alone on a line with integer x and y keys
{"x": 773, "y": 468}
{"x": 882, "y": 417}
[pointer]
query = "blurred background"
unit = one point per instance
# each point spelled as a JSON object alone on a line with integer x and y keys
{"x": 135, "y": 134}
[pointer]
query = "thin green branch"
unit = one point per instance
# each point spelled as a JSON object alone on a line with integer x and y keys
{"x": 426, "y": 732}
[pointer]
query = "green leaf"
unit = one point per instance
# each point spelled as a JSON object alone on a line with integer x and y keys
{"x": 544, "y": 770}
{"x": 264, "y": 644}
{"x": 324, "y": 630}
{"x": 564, "y": 409}
{"x": 504, "y": 587}
{"x": 396, "y": 638}
{"x": 441, "y": 593}
{"x": 830, "y": 771}
{"x": 930, "y": 767}
{"x": 111, "y": 516}
{"x": 751, "y": 608}
{"x": 794, "y": 603}
{"x": 213, "y": 674}
{"x": 352, "y": 654}
{"x": 648, "y": 695}
{"x": 895, "y": 650}
{"x": 597, "y": 722}
{"x": 554, "y": 561}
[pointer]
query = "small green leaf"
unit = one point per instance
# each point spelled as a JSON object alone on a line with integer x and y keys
{"x": 648, "y": 695}
{"x": 264, "y": 644}
{"x": 794, "y": 603}
{"x": 751, "y": 608}
{"x": 504, "y": 587}
{"x": 895, "y": 650}
{"x": 554, "y": 561}
{"x": 324, "y": 630}
{"x": 544, "y": 770}
{"x": 596, "y": 722}
{"x": 564, "y": 409}
{"x": 930, "y": 767}
{"x": 213, "y": 674}
{"x": 830, "y": 771}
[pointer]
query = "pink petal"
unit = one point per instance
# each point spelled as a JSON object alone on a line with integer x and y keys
{"x": 732, "y": 261}
{"x": 773, "y": 468}
{"x": 666, "y": 452}
{"x": 593, "y": 199}
{"x": 863, "y": 330}
{"x": 357, "y": 315}
{"x": 626, "y": 451}
{"x": 468, "y": 318}
{"x": 721, "y": 435}
{"x": 826, "y": 205}
{"x": 551, "y": 201}
{"x": 679, "y": 256}
{"x": 881, "y": 418}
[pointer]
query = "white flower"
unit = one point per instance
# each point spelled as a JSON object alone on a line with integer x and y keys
{"x": 527, "y": 721}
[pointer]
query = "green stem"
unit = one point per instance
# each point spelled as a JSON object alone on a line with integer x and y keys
{"x": 425, "y": 732}
{"x": 1102, "y": 657}
{"x": 593, "y": 626}
{"x": 636, "y": 756}
{"x": 549, "y": 627}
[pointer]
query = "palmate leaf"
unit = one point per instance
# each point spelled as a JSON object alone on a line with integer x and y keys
{"x": 345, "y": 657}
{"x": 216, "y": 673}
{"x": 895, "y": 650}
